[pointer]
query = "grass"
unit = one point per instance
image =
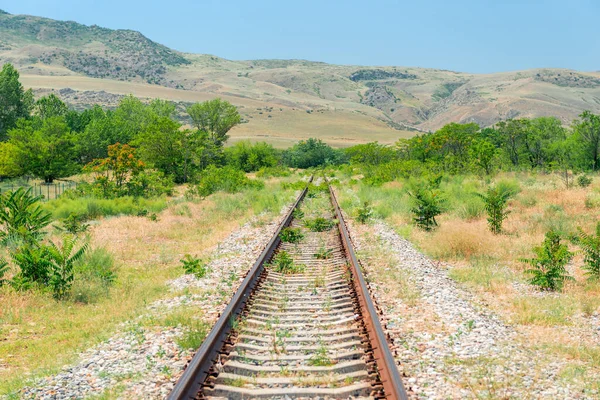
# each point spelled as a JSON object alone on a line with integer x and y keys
{"x": 92, "y": 208}
{"x": 488, "y": 264}
{"x": 41, "y": 335}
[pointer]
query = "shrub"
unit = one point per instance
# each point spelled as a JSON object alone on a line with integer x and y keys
{"x": 291, "y": 235}
{"x": 496, "y": 201}
{"x": 364, "y": 213}
{"x": 62, "y": 260}
{"x": 227, "y": 179}
{"x": 548, "y": 270}
{"x": 194, "y": 266}
{"x": 267, "y": 172}
{"x": 73, "y": 224}
{"x": 319, "y": 224}
{"x": 427, "y": 204}
{"x": 22, "y": 216}
{"x": 584, "y": 181}
{"x": 33, "y": 262}
{"x": 590, "y": 246}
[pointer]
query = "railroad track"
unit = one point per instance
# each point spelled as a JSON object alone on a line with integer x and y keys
{"x": 302, "y": 324}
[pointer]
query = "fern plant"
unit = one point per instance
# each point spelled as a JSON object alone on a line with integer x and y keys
{"x": 549, "y": 272}
{"x": 62, "y": 260}
{"x": 590, "y": 246}
{"x": 22, "y": 216}
{"x": 496, "y": 202}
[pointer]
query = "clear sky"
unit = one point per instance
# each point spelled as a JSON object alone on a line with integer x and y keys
{"x": 460, "y": 35}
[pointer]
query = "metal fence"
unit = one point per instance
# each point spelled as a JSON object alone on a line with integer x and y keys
{"x": 48, "y": 191}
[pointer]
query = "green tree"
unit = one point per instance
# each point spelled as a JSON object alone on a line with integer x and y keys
{"x": 50, "y": 106}
{"x": 587, "y": 130}
{"x": 451, "y": 144}
{"x": 45, "y": 149}
{"x": 15, "y": 102}
{"x": 512, "y": 135}
{"x": 216, "y": 117}
{"x": 483, "y": 154}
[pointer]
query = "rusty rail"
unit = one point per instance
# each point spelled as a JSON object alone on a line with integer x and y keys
{"x": 199, "y": 368}
{"x": 386, "y": 365}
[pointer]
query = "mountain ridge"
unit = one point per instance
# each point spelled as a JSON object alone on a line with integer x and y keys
{"x": 392, "y": 100}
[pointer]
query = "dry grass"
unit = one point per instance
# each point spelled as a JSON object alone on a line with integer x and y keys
{"x": 39, "y": 334}
{"x": 490, "y": 264}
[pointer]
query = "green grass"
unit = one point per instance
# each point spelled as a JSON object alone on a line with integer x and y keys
{"x": 93, "y": 208}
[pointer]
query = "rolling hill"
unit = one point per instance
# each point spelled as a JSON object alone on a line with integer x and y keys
{"x": 283, "y": 100}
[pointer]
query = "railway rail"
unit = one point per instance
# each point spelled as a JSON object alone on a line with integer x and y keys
{"x": 308, "y": 331}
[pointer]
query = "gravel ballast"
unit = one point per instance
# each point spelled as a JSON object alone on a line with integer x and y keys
{"x": 449, "y": 344}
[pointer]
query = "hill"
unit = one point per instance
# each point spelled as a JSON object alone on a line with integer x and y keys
{"x": 283, "y": 100}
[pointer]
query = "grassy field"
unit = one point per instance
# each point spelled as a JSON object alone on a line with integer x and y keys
{"x": 40, "y": 334}
{"x": 490, "y": 265}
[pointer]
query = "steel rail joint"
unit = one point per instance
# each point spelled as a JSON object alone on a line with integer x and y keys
{"x": 189, "y": 384}
{"x": 386, "y": 364}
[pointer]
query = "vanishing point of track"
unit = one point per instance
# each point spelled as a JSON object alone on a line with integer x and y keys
{"x": 310, "y": 334}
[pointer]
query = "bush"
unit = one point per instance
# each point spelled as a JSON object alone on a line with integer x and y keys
{"x": 33, "y": 262}
{"x": 427, "y": 204}
{"x": 590, "y": 245}
{"x": 291, "y": 235}
{"x": 364, "y": 213}
{"x": 496, "y": 201}
{"x": 194, "y": 266}
{"x": 248, "y": 157}
{"x": 319, "y": 224}
{"x": 22, "y": 216}
{"x": 226, "y": 179}
{"x": 267, "y": 172}
{"x": 73, "y": 224}
{"x": 548, "y": 270}
{"x": 311, "y": 153}
{"x": 62, "y": 260}
{"x": 584, "y": 181}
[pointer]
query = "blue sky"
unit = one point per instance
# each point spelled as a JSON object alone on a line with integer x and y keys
{"x": 461, "y": 35}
